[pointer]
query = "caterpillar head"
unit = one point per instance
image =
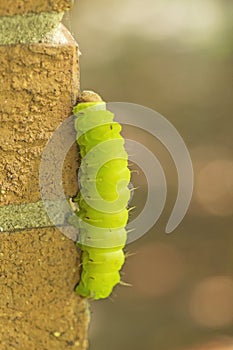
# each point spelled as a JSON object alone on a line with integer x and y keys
{"x": 89, "y": 96}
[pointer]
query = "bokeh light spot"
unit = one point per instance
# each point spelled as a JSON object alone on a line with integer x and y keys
{"x": 211, "y": 303}
{"x": 156, "y": 269}
{"x": 221, "y": 343}
{"x": 214, "y": 187}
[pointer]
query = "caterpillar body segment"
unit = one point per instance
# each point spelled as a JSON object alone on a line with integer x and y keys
{"x": 104, "y": 194}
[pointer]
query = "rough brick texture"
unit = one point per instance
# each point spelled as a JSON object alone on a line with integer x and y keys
{"x": 39, "y": 85}
{"x": 38, "y": 308}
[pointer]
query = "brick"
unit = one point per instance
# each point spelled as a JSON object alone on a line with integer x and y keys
{"x": 38, "y": 272}
{"x": 38, "y": 86}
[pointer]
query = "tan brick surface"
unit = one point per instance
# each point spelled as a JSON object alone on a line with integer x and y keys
{"x": 39, "y": 309}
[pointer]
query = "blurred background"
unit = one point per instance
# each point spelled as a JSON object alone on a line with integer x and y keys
{"x": 174, "y": 56}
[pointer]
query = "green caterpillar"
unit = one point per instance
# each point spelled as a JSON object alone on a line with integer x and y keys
{"x": 104, "y": 194}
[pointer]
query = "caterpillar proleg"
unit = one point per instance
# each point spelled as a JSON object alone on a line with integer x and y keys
{"x": 104, "y": 179}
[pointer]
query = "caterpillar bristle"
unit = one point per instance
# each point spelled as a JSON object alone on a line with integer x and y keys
{"x": 134, "y": 188}
{"x": 131, "y": 230}
{"x": 125, "y": 284}
{"x": 128, "y": 254}
{"x": 131, "y": 208}
{"x": 135, "y": 171}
